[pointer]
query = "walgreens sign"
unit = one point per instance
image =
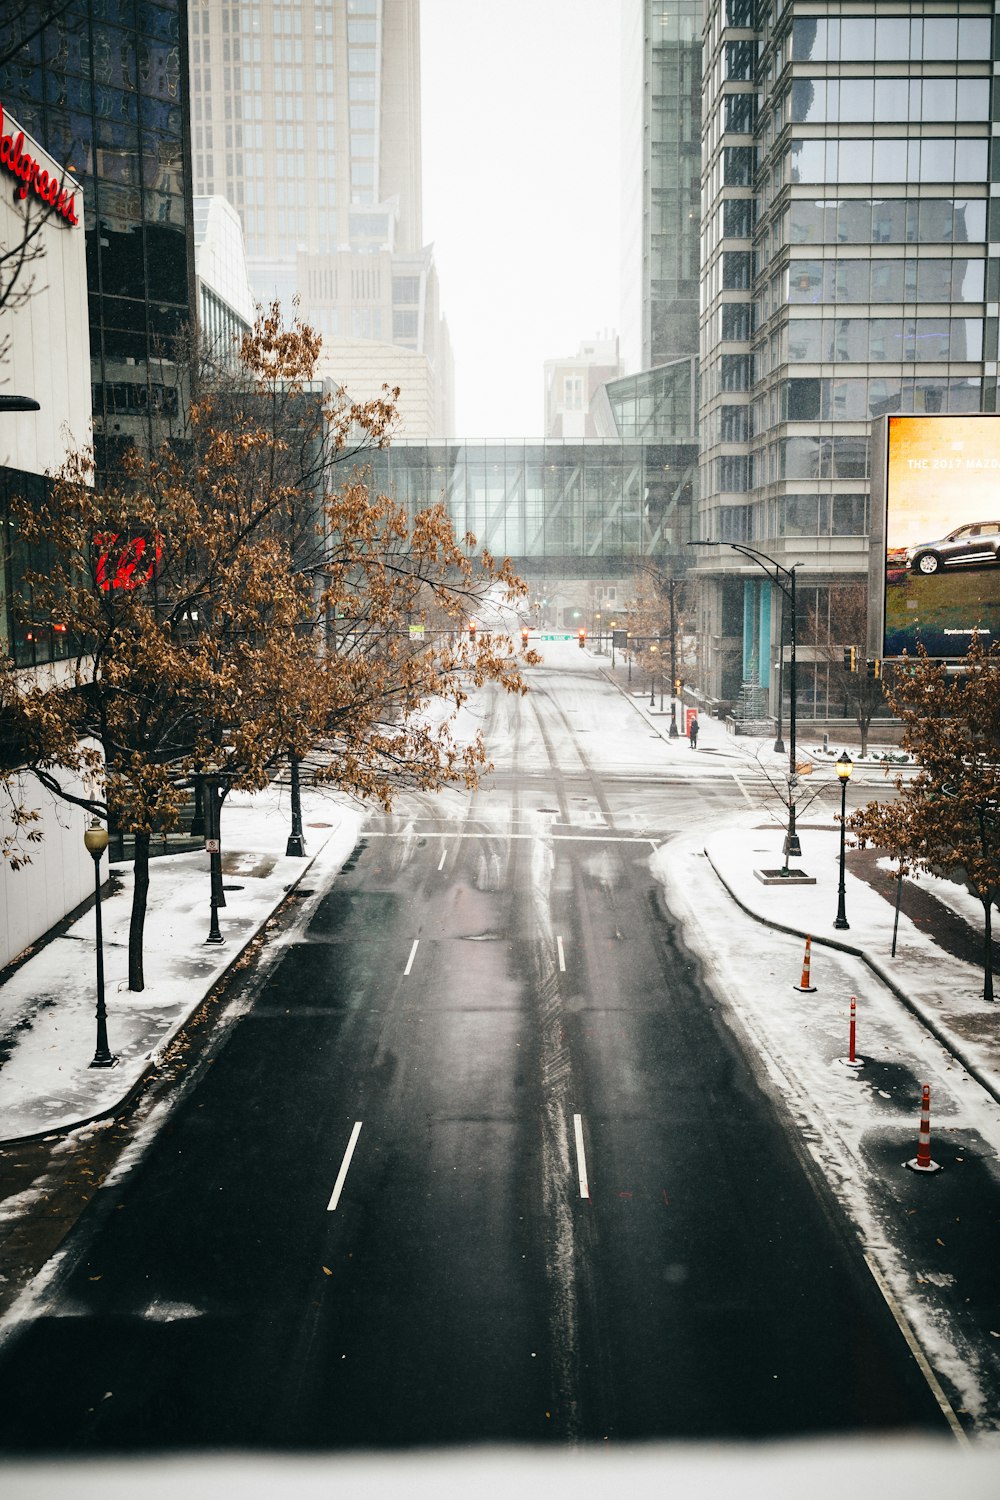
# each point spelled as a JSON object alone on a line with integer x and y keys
{"x": 33, "y": 177}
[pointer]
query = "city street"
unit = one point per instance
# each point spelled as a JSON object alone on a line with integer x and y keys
{"x": 478, "y": 1158}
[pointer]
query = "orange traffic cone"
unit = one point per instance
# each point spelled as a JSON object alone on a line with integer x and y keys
{"x": 922, "y": 1161}
{"x": 804, "y": 985}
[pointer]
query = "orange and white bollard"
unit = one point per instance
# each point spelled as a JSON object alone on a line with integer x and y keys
{"x": 852, "y": 1060}
{"x": 922, "y": 1161}
{"x": 804, "y": 986}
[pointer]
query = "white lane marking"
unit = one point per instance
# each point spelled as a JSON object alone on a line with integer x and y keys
{"x": 562, "y": 956}
{"x": 581, "y": 1157}
{"x": 902, "y": 1323}
{"x": 444, "y": 856}
{"x": 409, "y": 961}
{"x": 338, "y": 1186}
{"x": 742, "y": 788}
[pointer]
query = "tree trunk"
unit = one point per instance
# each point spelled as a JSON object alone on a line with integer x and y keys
{"x": 140, "y": 890}
{"x": 988, "y": 947}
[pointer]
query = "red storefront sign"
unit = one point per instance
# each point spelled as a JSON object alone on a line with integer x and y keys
{"x": 32, "y": 175}
{"x": 125, "y": 563}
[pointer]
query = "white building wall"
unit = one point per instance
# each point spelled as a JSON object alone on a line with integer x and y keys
{"x": 48, "y": 358}
{"x": 59, "y": 877}
{"x": 49, "y": 351}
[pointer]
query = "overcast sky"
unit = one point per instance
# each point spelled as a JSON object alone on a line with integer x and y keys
{"x": 521, "y": 192}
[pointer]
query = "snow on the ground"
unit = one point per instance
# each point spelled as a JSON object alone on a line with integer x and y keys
{"x": 48, "y": 1006}
{"x": 801, "y": 1040}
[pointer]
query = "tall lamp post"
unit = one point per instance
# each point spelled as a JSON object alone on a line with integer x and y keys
{"x": 213, "y": 844}
{"x": 845, "y": 766}
{"x": 673, "y": 665}
{"x": 96, "y": 840}
{"x": 793, "y": 849}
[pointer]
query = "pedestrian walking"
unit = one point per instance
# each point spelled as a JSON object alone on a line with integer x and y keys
{"x": 693, "y": 732}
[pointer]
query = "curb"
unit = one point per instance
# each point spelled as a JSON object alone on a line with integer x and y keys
{"x": 152, "y": 1063}
{"x": 929, "y": 1023}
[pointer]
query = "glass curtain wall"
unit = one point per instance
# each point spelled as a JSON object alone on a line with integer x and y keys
{"x": 846, "y": 269}
{"x": 590, "y": 508}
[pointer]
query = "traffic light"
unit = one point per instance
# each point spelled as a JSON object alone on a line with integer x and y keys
{"x": 524, "y": 635}
{"x": 581, "y": 636}
{"x": 850, "y": 658}
{"x": 472, "y": 630}
{"x": 678, "y": 685}
{"x": 874, "y": 668}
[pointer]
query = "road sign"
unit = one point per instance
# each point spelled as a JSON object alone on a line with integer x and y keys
{"x": 213, "y": 846}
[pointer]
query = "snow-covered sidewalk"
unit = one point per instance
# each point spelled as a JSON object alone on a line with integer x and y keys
{"x": 48, "y": 1004}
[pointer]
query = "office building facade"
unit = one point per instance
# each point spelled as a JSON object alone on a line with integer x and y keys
{"x": 104, "y": 89}
{"x": 306, "y": 117}
{"x": 846, "y": 273}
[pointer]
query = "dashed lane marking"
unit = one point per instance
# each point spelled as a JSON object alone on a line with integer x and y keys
{"x": 338, "y": 1186}
{"x": 581, "y": 1157}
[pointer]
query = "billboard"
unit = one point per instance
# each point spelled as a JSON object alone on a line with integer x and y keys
{"x": 935, "y": 543}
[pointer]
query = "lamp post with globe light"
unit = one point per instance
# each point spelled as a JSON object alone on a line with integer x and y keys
{"x": 96, "y": 840}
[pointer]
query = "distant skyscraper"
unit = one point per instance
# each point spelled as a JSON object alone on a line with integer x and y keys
{"x": 572, "y": 384}
{"x": 661, "y": 175}
{"x": 306, "y": 117}
{"x": 847, "y": 180}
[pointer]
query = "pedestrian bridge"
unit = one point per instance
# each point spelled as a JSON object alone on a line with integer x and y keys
{"x": 559, "y": 508}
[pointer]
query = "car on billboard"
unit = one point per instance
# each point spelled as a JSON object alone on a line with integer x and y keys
{"x": 978, "y": 542}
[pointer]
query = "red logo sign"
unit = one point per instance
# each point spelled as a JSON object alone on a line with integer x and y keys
{"x": 125, "y": 563}
{"x": 31, "y": 174}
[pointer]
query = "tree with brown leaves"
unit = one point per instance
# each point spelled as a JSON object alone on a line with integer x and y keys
{"x": 947, "y": 818}
{"x": 232, "y": 599}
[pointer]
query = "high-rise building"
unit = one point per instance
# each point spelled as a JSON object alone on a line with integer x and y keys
{"x": 661, "y": 180}
{"x": 306, "y": 117}
{"x": 104, "y": 90}
{"x": 846, "y": 273}
{"x": 661, "y": 192}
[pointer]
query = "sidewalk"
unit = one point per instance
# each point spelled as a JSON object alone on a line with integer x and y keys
{"x": 48, "y": 1002}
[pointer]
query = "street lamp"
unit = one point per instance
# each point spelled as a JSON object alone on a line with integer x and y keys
{"x": 673, "y": 665}
{"x": 213, "y": 844}
{"x": 845, "y": 766}
{"x": 793, "y": 849}
{"x": 296, "y": 843}
{"x": 96, "y": 840}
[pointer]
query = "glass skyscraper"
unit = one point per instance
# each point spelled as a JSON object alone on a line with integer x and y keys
{"x": 847, "y": 163}
{"x": 103, "y": 86}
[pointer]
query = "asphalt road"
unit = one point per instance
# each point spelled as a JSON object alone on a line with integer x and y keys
{"x": 479, "y": 1161}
